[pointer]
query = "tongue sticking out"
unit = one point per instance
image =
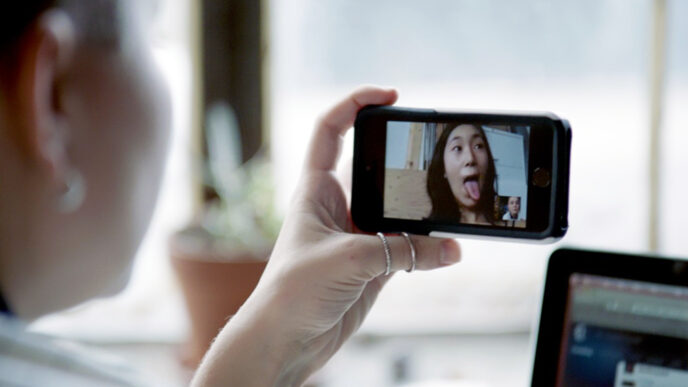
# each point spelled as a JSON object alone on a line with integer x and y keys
{"x": 473, "y": 189}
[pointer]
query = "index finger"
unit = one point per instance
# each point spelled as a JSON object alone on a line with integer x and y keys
{"x": 326, "y": 143}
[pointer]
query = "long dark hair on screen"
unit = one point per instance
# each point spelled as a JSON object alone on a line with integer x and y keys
{"x": 445, "y": 207}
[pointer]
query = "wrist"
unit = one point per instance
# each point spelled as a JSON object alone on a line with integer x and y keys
{"x": 253, "y": 349}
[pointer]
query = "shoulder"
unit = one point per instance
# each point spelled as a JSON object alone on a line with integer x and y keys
{"x": 28, "y": 358}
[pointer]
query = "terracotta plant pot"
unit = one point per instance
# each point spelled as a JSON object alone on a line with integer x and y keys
{"x": 215, "y": 282}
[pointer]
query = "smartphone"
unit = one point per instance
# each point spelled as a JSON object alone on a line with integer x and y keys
{"x": 476, "y": 174}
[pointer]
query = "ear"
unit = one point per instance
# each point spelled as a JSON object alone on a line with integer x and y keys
{"x": 44, "y": 55}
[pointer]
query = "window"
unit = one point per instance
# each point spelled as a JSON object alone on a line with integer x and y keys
{"x": 586, "y": 61}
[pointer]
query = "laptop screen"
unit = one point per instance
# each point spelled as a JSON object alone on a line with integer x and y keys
{"x": 621, "y": 332}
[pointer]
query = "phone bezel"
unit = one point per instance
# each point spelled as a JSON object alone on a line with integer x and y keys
{"x": 370, "y": 131}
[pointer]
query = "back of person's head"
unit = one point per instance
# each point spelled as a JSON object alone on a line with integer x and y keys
{"x": 83, "y": 131}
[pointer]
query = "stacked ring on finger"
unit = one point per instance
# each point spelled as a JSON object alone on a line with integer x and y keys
{"x": 413, "y": 252}
{"x": 388, "y": 252}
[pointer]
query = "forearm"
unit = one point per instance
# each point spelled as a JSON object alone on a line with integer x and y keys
{"x": 320, "y": 282}
{"x": 252, "y": 351}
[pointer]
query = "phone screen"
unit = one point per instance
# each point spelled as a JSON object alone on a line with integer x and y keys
{"x": 486, "y": 174}
{"x": 457, "y": 173}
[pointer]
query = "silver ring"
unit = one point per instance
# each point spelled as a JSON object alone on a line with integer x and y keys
{"x": 413, "y": 252}
{"x": 388, "y": 252}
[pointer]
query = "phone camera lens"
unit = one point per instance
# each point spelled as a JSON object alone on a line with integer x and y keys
{"x": 542, "y": 177}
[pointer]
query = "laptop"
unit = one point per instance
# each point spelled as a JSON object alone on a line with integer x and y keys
{"x": 612, "y": 320}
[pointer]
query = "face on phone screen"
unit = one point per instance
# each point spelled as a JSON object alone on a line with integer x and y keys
{"x": 457, "y": 172}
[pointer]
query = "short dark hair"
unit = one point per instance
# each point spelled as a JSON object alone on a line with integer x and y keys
{"x": 444, "y": 205}
{"x": 98, "y": 21}
{"x": 17, "y": 17}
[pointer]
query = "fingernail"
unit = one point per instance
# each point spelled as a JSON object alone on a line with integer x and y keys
{"x": 450, "y": 252}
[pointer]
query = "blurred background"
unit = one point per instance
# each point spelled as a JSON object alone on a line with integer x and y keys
{"x": 616, "y": 69}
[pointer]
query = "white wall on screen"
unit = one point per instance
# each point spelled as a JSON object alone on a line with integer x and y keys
{"x": 508, "y": 152}
{"x": 396, "y": 144}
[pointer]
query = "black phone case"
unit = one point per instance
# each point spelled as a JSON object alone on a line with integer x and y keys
{"x": 363, "y": 205}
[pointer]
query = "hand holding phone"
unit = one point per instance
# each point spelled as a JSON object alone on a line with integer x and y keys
{"x": 447, "y": 173}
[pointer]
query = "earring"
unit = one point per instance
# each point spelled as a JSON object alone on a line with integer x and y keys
{"x": 74, "y": 193}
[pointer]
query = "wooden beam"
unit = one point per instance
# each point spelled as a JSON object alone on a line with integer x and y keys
{"x": 196, "y": 50}
{"x": 657, "y": 74}
{"x": 233, "y": 64}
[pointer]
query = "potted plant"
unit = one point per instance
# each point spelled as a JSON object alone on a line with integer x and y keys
{"x": 221, "y": 256}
